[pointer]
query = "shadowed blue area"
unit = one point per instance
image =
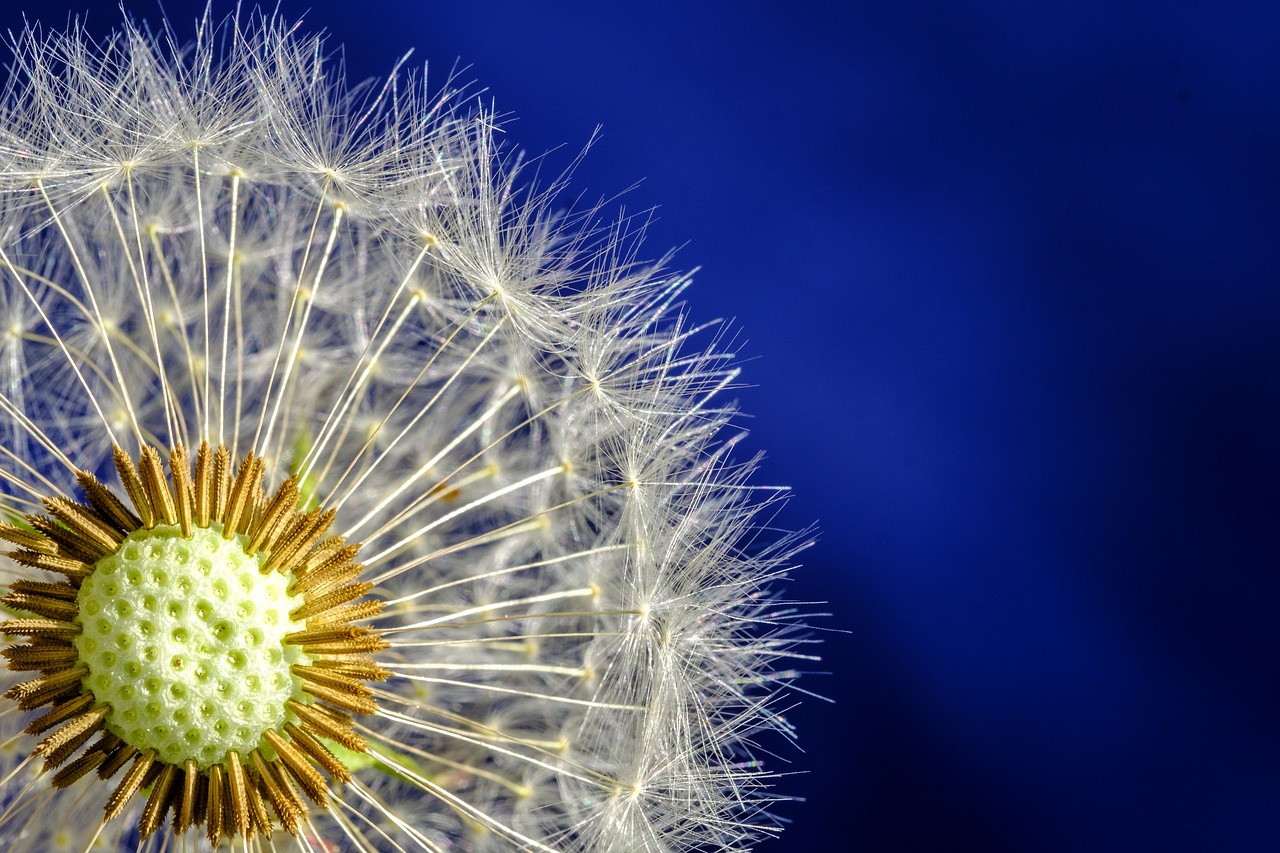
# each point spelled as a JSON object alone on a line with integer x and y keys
{"x": 1006, "y": 275}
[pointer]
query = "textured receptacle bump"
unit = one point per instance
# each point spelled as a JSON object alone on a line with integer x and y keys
{"x": 184, "y": 640}
{"x": 206, "y": 636}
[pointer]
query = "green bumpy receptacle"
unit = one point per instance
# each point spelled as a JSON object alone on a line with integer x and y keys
{"x": 184, "y": 639}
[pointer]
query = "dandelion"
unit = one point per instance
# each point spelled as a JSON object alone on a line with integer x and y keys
{"x": 353, "y": 499}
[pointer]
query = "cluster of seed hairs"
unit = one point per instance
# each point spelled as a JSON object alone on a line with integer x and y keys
{"x": 228, "y": 797}
{"x": 499, "y": 396}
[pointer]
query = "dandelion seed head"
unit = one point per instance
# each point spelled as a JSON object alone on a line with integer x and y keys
{"x": 357, "y": 496}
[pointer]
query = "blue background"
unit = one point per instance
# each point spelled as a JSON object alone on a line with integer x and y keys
{"x": 1007, "y": 277}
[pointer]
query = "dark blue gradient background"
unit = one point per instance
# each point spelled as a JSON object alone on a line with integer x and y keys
{"x": 1007, "y": 279}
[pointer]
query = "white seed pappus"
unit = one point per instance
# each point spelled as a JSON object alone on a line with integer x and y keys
{"x": 225, "y": 241}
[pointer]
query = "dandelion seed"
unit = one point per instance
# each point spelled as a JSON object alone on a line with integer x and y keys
{"x": 353, "y": 499}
